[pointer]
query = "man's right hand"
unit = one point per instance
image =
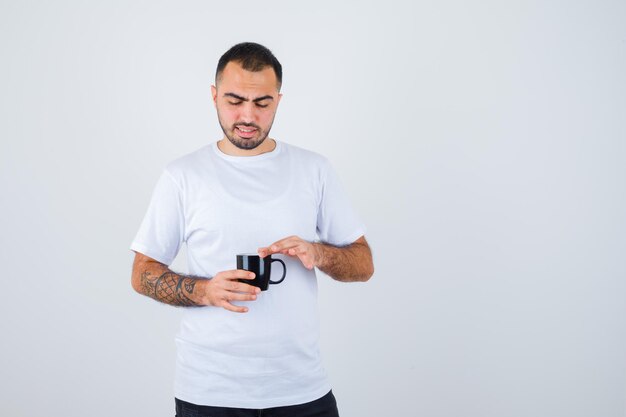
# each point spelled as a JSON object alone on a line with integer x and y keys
{"x": 157, "y": 281}
{"x": 224, "y": 287}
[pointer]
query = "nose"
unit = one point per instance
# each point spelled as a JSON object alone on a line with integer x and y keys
{"x": 248, "y": 114}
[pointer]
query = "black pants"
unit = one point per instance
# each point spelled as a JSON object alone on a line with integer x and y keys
{"x": 322, "y": 407}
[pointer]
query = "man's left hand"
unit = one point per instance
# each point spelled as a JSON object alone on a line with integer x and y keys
{"x": 294, "y": 246}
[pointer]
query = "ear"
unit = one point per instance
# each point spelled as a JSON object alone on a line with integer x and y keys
{"x": 214, "y": 95}
{"x": 279, "y": 97}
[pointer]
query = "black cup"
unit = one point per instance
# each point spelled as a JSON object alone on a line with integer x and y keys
{"x": 262, "y": 268}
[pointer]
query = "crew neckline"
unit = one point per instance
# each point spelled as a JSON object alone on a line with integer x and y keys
{"x": 245, "y": 159}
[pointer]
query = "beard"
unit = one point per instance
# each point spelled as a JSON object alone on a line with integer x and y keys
{"x": 245, "y": 143}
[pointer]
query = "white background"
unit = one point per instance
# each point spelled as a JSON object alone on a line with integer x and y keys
{"x": 483, "y": 143}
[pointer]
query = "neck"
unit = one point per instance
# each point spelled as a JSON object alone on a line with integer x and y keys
{"x": 228, "y": 148}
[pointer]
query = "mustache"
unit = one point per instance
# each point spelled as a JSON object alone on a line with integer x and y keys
{"x": 246, "y": 125}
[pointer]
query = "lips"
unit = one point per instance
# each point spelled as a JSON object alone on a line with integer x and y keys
{"x": 245, "y": 131}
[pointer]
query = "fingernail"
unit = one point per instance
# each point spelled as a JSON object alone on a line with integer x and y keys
{"x": 273, "y": 247}
{"x": 251, "y": 274}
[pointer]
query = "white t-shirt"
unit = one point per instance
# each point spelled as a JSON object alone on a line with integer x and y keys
{"x": 223, "y": 205}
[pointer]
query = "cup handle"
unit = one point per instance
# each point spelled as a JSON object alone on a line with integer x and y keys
{"x": 284, "y": 271}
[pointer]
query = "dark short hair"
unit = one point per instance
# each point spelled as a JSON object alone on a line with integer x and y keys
{"x": 252, "y": 57}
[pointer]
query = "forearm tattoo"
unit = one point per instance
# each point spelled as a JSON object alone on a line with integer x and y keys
{"x": 169, "y": 288}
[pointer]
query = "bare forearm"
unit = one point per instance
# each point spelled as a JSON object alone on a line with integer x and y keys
{"x": 157, "y": 281}
{"x": 348, "y": 263}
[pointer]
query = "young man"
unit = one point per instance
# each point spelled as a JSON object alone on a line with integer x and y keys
{"x": 240, "y": 351}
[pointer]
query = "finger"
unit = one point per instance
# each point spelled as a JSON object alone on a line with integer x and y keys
{"x": 234, "y": 308}
{"x": 237, "y": 274}
{"x": 285, "y": 248}
{"x": 300, "y": 250}
{"x": 235, "y": 286}
{"x": 297, "y": 250}
{"x": 306, "y": 260}
{"x": 285, "y": 243}
{"x": 279, "y": 246}
{"x": 237, "y": 296}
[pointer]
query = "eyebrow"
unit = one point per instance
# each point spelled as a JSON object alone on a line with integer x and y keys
{"x": 233, "y": 95}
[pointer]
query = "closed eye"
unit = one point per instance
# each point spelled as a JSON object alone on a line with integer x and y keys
{"x": 262, "y": 105}
{"x": 234, "y": 103}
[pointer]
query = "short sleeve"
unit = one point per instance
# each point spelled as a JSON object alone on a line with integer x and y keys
{"x": 161, "y": 233}
{"x": 337, "y": 222}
